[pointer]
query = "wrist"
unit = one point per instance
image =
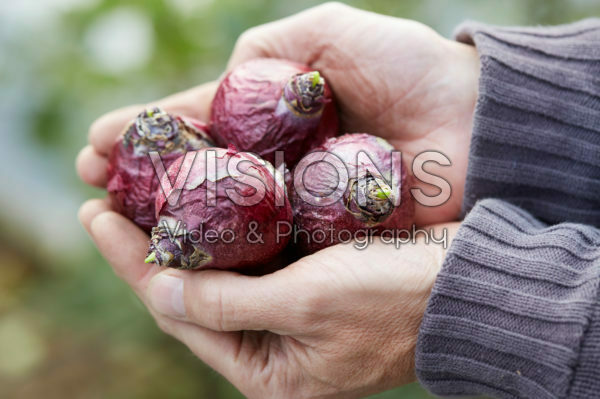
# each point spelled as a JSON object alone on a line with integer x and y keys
{"x": 444, "y": 233}
{"x": 465, "y": 68}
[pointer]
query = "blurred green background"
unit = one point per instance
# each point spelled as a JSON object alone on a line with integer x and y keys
{"x": 68, "y": 327}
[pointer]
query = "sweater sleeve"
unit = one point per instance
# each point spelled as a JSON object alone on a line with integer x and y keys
{"x": 514, "y": 312}
{"x": 536, "y": 131}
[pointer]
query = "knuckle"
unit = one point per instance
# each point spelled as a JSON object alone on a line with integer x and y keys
{"x": 310, "y": 308}
{"x": 332, "y": 8}
{"x": 247, "y": 37}
{"x": 311, "y": 297}
{"x": 209, "y": 311}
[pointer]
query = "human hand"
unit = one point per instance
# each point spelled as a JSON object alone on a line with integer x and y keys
{"x": 341, "y": 323}
{"x": 394, "y": 78}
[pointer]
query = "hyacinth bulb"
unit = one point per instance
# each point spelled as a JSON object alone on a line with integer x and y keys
{"x": 224, "y": 213}
{"x": 361, "y": 195}
{"x": 268, "y": 105}
{"x": 132, "y": 180}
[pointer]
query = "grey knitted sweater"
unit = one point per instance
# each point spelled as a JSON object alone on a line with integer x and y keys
{"x": 515, "y": 311}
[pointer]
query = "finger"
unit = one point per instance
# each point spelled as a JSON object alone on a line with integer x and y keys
{"x": 227, "y": 301}
{"x": 124, "y": 246}
{"x": 194, "y": 103}
{"x": 90, "y": 209}
{"x": 294, "y": 38}
{"x": 219, "y": 300}
{"x": 105, "y": 130}
{"x": 91, "y": 167}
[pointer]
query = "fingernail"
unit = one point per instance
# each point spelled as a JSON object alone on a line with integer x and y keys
{"x": 166, "y": 295}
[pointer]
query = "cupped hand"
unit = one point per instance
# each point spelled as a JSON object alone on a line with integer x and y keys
{"x": 341, "y": 323}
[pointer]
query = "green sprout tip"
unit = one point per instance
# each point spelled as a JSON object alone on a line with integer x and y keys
{"x": 316, "y": 79}
{"x": 383, "y": 193}
{"x": 151, "y": 258}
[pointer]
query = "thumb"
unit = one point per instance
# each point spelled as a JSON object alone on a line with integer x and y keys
{"x": 227, "y": 301}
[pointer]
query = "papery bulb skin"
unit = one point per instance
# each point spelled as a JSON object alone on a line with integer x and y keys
{"x": 132, "y": 180}
{"x": 369, "y": 201}
{"x": 265, "y": 105}
{"x": 245, "y": 226}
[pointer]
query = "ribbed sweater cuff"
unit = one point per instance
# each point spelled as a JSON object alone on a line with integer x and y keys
{"x": 536, "y": 131}
{"x": 514, "y": 311}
